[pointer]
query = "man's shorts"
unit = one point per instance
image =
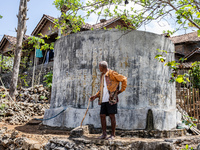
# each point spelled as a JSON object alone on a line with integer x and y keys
{"x": 107, "y": 109}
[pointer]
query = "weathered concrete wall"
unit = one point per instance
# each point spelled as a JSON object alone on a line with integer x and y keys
{"x": 131, "y": 53}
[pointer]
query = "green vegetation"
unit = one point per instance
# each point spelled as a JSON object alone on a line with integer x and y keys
{"x": 49, "y": 77}
{"x": 3, "y": 106}
{"x": 185, "y": 13}
{"x": 194, "y": 73}
{"x": 187, "y": 147}
{"x": 6, "y": 63}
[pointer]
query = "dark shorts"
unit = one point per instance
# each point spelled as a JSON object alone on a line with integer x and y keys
{"x": 107, "y": 109}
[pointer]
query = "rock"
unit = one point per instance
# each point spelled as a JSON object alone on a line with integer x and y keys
{"x": 171, "y": 140}
{"x": 19, "y": 141}
{"x": 14, "y": 134}
{"x": 41, "y": 89}
{"x": 35, "y": 146}
{"x": 53, "y": 145}
{"x": 2, "y": 148}
{"x": 5, "y": 142}
{"x": 30, "y": 144}
{"x": 79, "y": 131}
{"x": 59, "y": 148}
{"x": 69, "y": 144}
{"x": 198, "y": 147}
{"x": 47, "y": 146}
{"x": 35, "y": 90}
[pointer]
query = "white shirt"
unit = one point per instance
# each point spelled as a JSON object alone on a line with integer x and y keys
{"x": 105, "y": 91}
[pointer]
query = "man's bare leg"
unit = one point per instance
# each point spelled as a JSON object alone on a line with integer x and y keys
{"x": 113, "y": 125}
{"x": 103, "y": 125}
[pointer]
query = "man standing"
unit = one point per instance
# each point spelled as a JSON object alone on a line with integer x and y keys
{"x": 108, "y": 96}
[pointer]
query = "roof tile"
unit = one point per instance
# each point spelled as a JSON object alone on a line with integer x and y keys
{"x": 185, "y": 38}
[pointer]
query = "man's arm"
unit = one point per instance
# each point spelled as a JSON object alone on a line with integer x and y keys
{"x": 122, "y": 79}
{"x": 92, "y": 98}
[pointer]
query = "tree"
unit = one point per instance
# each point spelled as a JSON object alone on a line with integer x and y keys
{"x": 139, "y": 12}
{"x": 21, "y": 29}
{"x": 69, "y": 21}
{"x": 1, "y": 16}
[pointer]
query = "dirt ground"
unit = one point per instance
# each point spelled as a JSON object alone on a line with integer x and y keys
{"x": 33, "y": 131}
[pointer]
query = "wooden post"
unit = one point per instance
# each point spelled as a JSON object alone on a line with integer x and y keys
{"x": 197, "y": 103}
{"x": 190, "y": 102}
{"x": 181, "y": 96}
{"x": 1, "y": 63}
{"x": 34, "y": 68}
{"x": 193, "y": 102}
{"x": 185, "y": 100}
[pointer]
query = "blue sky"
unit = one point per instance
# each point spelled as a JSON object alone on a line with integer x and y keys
{"x": 36, "y": 9}
{"x": 9, "y": 10}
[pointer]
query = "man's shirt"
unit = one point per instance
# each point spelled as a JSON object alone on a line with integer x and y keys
{"x": 112, "y": 82}
{"x": 105, "y": 92}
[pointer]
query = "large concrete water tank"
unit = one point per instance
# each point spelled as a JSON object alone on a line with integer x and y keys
{"x": 131, "y": 53}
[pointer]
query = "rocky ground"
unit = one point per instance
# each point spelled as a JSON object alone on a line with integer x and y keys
{"x": 32, "y": 137}
{"x": 20, "y": 131}
{"x": 26, "y": 106}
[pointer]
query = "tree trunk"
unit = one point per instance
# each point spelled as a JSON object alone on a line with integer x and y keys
{"x": 21, "y": 29}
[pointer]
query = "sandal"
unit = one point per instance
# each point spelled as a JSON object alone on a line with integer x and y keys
{"x": 110, "y": 138}
{"x": 102, "y": 137}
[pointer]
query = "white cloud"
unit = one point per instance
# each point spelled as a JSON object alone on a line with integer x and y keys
{"x": 157, "y": 27}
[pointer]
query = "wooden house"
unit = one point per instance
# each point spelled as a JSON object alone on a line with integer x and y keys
{"x": 7, "y": 47}
{"x": 187, "y": 46}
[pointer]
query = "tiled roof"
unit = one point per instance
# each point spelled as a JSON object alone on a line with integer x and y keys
{"x": 106, "y": 23}
{"x": 87, "y": 26}
{"x": 190, "y": 37}
{"x": 187, "y": 65}
{"x": 197, "y": 50}
{"x": 49, "y": 17}
{"x": 11, "y": 39}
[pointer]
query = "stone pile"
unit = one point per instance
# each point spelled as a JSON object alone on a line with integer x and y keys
{"x": 20, "y": 112}
{"x": 11, "y": 140}
{"x": 96, "y": 144}
{"x": 84, "y": 143}
{"x": 37, "y": 94}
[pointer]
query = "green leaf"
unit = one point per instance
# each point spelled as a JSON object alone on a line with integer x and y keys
{"x": 180, "y": 79}
{"x": 198, "y": 33}
{"x": 42, "y": 97}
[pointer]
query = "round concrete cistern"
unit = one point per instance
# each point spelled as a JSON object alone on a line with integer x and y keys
{"x": 76, "y": 77}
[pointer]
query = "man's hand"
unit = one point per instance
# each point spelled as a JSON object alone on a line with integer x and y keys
{"x": 118, "y": 92}
{"x": 92, "y": 98}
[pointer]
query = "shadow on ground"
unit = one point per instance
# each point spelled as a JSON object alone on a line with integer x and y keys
{"x": 36, "y": 127}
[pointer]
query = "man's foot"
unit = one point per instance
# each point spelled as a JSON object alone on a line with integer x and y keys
{"x": 110, "y": 137}
{"x": 102, "y": 137}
